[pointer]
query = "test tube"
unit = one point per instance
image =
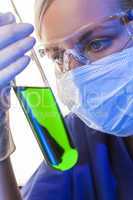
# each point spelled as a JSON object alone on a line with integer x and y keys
{"x": 45, "y": 118}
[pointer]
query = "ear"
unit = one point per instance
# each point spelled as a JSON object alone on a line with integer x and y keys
{"x": 127, "y": 17}
{"x": 127, "y": 20}
{"x": 130, "y": 15}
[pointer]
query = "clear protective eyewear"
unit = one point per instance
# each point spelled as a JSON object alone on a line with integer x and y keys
{"x": 92, "y": 41}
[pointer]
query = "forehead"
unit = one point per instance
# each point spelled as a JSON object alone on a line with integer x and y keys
{"x": 63, "y": 17}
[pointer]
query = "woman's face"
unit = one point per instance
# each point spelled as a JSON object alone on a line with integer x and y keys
{"x": 63, "y": 18}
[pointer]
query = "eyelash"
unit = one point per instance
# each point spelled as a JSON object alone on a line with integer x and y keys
{"x": 104, "y": 42}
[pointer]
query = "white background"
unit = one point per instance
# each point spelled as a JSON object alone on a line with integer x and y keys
{"x": 27, "y": 156}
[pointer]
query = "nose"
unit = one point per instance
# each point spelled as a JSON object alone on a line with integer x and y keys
{"x": 71, "y": 60}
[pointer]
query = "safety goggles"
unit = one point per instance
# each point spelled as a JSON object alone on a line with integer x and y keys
{"x": 92, "y": 41}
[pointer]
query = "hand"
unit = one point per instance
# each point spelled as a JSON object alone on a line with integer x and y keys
{"x": 15, "y": 42}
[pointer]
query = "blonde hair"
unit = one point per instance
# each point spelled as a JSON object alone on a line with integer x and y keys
{"x": 41, "y": 7}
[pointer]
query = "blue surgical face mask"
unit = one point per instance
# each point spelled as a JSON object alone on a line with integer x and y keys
{"x": 101, "y": 93}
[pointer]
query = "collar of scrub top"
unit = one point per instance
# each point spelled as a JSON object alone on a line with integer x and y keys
{"x": 124, "y": 16}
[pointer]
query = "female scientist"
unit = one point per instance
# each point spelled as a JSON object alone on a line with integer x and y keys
{"x": 91, "y": 44}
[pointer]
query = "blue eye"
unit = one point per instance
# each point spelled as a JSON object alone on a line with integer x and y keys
{"x": 98, "y": 45}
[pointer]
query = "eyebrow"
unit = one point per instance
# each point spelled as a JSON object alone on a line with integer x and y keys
{"x": 87, "y": 34}
{"x": 80, "y": 39}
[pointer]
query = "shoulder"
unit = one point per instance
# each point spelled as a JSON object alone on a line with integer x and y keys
{"x": 46, "y": 180}
{"x": 43, "y": 181}
{"x": 57, "y": 185}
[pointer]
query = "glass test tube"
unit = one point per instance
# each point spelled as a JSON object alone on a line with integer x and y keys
{"x": 46, "y": 121}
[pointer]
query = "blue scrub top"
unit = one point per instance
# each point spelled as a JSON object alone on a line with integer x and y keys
{"x": 104, "y": 171}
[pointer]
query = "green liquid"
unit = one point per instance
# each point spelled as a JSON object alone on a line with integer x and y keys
{"x": 48, "y": 126}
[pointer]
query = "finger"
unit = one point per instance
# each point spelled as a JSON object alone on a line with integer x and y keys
{"x": 7, "y": 18}
{"x": 14, "y": 32}
{"x": 9, "y": 73}
{"x": 15, "y": 51}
